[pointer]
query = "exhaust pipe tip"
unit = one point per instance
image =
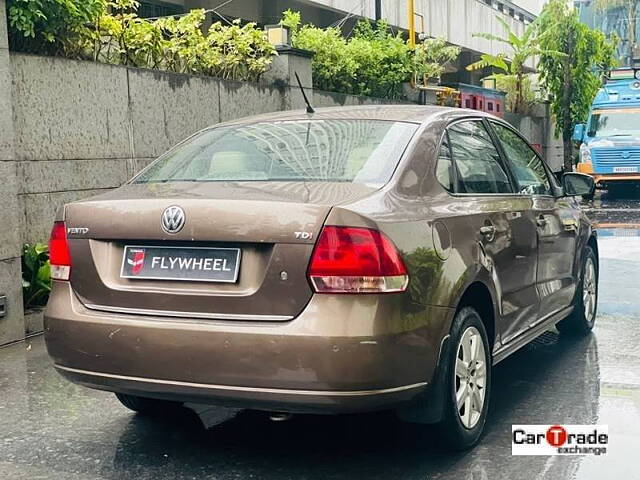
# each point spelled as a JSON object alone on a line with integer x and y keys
{"x": 280, "y": 416}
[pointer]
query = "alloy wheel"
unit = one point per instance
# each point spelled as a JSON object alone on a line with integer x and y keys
{"x": 589, "y": 290}
{"x": 470, "y": 377}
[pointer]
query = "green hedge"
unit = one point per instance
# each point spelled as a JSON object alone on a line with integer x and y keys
{"x": 112, "y": 32}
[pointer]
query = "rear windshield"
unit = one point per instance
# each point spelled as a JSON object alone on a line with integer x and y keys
{"x": 357, "y": 151}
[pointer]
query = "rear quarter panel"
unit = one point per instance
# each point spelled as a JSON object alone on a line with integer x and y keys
{"x": 412, "y": 210}
{"x": 415, "y": 212}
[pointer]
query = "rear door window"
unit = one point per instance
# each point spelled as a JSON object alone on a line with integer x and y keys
{"x": 477, "y": 159}
{"x": 444, "y": 170}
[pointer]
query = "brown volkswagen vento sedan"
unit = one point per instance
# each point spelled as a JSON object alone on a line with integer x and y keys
{"x": 353, "y": 259}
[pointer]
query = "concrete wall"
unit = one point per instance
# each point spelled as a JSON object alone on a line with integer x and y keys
{"x": 533, "y": 6}
{"x": 454, "y": 20}
{"x": 12, "y": 325}
{"x": 82, "y": 127}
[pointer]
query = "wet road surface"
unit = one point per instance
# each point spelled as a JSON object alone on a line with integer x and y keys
{"x": 51, "y": 429}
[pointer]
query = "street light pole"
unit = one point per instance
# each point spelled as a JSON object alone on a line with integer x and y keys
{"x": 378, "y": 10}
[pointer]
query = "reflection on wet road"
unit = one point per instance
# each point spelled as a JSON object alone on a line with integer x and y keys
{"x": 52, "y": 429}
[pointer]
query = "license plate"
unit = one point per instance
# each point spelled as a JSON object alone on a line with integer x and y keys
{"x": 625, "y": 169}
{"x": 192, "y": 264}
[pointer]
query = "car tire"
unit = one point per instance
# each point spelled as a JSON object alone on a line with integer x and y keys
{"x": 146, "y": 406}
{"x": 585, "y": 304}
{"x": 461, "y": 427}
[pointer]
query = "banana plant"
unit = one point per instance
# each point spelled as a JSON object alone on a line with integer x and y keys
{"x": 512, "y": 67}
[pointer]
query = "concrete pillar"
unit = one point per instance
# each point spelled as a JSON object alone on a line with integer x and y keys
{"x": 283, "y": 73}
{"x": 12, "y": 323}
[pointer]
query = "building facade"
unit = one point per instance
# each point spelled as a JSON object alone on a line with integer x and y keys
{"x": 612, "y": 21}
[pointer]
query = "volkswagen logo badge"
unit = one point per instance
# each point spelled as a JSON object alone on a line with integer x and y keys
{"x": 173, "y": 219}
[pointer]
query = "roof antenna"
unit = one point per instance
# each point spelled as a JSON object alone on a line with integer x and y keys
{"x": 304, "y": 95}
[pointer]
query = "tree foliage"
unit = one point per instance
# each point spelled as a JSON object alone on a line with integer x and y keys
{"x": 572, "y": 79}
{"x": 431, "y": 58}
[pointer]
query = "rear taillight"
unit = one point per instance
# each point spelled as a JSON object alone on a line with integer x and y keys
{"x": 356, "y": 260}
{"x": 59, "y": 252}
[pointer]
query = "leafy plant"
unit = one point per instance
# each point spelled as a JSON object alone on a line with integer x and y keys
{"x": 333, "y": 69}
{"x": 121, "y": 37}
{"x": 238, "y": 52}
{"x": 36, "y": 275}
{"x": 112, "y": 32}
{"x": 512, "y": 67}
{"x": 384, "y": 60}
{"x": 572, "y": 79}
{"x": 527, "y": 96}
{"x": 372, "y": 61}
{"x": 52, "y": 27}
{"x": 292, "y": 20}
{"x": 431, "y": 58}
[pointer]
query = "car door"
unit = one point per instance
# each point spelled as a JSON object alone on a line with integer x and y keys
{"x": 555, "y": 220}
{"x": 494, "y": 215}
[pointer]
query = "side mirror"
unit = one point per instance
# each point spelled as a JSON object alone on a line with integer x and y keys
{"x": 578, "y": 132}
{"x": 574, "y": 184}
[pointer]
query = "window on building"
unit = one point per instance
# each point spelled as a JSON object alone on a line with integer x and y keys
{"x": 490, "y": 106}
{"x": 467, "y": 103}
{"x": 158, "y": 9}
{"x": 497, "y": 107}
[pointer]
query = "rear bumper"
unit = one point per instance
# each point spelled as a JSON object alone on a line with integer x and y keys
{"x": 306, "y": 401}
{"x": 341, "y": 354}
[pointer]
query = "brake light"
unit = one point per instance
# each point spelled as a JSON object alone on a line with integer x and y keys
{"x": 59, "y": 252}
{"x": 356, "y": 260}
